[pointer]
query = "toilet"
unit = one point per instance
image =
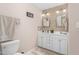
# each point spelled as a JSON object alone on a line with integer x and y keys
{"x": 9, "y": 47}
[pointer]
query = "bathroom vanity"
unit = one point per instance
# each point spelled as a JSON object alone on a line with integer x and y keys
{"x": 53, "y": 34}
{"x": 56, "y": 41}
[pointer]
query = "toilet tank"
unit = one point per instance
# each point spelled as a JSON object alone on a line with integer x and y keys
{"x": 9, "y": 47}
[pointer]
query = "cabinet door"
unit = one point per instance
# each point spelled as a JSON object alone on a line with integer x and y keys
{"x": 51, "y": 43}
{"x": 39, "y": 40}
{"x": 56, "y": 44}
{"x": 46, "y": 41}
{"x": 63, "y": 46}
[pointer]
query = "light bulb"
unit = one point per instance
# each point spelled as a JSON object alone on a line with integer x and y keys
{"x": 64, "y": 10}
{"x": 43, "y": 15}
{"x": 57, "y": 12}
{"x": 48, "y": 14}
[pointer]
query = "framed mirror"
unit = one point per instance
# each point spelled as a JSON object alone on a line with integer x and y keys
{"x": 61, "y": 20}
{"x": 45, "y": 22}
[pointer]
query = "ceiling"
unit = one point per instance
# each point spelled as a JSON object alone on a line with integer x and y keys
{"x": 44, "y": 6}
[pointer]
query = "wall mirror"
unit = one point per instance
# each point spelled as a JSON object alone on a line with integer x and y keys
{"x": 56, "y": 18}
{"x": 45, "y": 22}
{"x": 61, "y": 21}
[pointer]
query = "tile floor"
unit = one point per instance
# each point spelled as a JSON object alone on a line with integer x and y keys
{"x": 39, "y": 51}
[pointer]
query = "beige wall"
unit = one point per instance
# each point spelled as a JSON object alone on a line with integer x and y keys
{"x": 73, "y": 10}
{"x": 53, "y": 16}
{"x": 26, "y": 31}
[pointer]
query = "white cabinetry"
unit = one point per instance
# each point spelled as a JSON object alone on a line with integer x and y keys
{"x": 54, "y": 42}
{"x": 45, "y": 40}
{"x": 51, "y": 43}
{"x": 40, "y": 38}
{"x": 63, "y": 46}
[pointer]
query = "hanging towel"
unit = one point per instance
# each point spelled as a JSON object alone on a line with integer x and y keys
{"x": 7, "y": 27}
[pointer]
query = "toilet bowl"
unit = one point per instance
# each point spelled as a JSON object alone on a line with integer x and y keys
{"x": 9, "y": 47}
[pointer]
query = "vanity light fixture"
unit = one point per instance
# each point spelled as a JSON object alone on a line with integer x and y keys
{"x": 57, "y": 12}
{"x": 43, "y": 15}
{"x": 48, "y": 14}
{"x": 64, "y": 10}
